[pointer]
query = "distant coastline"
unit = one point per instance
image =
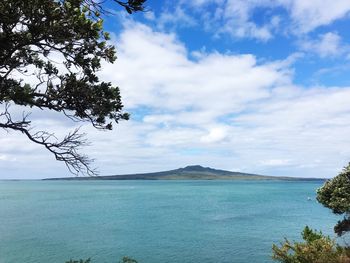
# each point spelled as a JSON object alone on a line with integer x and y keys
{"x": 192, "y": 172}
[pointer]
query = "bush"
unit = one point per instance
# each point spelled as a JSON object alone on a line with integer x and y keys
{"x": 335, "y": 195}
{"x": 316, "y": 248}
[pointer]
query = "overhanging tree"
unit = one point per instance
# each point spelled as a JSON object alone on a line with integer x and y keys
{"x": 34, "y": 32}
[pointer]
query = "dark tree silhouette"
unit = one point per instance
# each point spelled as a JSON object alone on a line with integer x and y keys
{"x": 31, "y": 32}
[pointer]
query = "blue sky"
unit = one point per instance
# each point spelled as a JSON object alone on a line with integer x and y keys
{"x": 255, "y": 86}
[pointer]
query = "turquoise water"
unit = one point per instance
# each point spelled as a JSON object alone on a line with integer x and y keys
{"x": 154, "y": 221}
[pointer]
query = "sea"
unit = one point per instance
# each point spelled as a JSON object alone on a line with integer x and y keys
{"x": 155, "y": 221}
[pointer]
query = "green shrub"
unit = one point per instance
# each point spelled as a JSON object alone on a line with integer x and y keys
{"x": 335, "y": 195}
{"x": 316, "y": 248}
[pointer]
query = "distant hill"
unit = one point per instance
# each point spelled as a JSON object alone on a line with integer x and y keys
{"x": 192, "y": 172}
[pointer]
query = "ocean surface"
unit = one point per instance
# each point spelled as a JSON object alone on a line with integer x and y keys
{"x": 154, "y": 221}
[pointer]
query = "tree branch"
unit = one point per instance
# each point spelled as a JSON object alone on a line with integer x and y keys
{"x": 65, "y": 150}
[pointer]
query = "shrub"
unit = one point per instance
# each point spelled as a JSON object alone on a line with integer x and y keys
{"x": 316, "y": 248}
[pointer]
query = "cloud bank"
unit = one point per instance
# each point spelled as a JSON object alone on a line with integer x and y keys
{"x": 228, "y": 111}
{"x": 259, "y": 19}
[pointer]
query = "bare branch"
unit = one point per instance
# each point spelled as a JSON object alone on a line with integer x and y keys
{"x": 65, "y": 150}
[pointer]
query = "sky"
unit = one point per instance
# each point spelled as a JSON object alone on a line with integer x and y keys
{"x": 258, "y": 86}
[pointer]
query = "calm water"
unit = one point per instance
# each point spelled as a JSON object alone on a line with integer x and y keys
{"x": 154, "y": 221}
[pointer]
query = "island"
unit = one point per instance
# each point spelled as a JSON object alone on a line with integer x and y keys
{"x": 191, "y": 172}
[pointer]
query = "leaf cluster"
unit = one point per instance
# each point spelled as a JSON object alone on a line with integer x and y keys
{"x": 50, "y": 53}
{"x": 34, "y": 34}
{"x": 316, "y": 248}
{"x": 335, "y": 195}
{"x": 132, "y": 6}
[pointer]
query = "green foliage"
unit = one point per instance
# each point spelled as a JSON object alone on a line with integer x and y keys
{"x": 335, "y": 195}
{"x": 30, "y": 32}
{"x": 316, "y": 248}
{"x": 61, "y": 44}
{"x": 310, "y": 235}
{"x": 132, "y": 5}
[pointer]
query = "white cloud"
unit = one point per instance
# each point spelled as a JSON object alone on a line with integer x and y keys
{"x": 150, "y": 15}
{"x": 276, "y": 162}
{"x": 175, "y": 18}
{"x": 308, "y": 15}
{"x": 7, "y": 158}
{"x": 171, "y": 81}
{"x": 327, "y": 45}
{"x": 236, "y": 17}
{"x": 230, "y": 106}
{"x": 220, "y": 110}
{"x": 214, "y": 135}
